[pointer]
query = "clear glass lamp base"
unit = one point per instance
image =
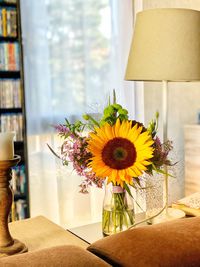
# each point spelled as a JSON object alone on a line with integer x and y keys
{"x": 168, "y": 214}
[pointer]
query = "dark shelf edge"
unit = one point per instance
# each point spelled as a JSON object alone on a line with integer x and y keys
{"x": 9, "y": 74}
{"x": 8, "y": 39}
{"x": 10, "y": 110}
{"x": 5, "y": 4}
{"x": 19, "y": 142}
{"x": 18, "y": 196}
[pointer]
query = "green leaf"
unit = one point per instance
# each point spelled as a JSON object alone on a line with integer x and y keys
{"x": 133, "y": 197}
{"x": 109, "y": 110}
{"x": 117, "y": 106}
{"x": 123, "y": 111}
{"x": 162, "y": 172}
{"x": 123, "y": 117}
{"x": 128, "y": 190}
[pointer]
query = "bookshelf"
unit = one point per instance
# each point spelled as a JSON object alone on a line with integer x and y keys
{"x": 12, "y": 100}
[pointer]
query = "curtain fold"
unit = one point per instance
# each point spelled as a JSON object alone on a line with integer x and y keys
{"x": 75, "y": 54}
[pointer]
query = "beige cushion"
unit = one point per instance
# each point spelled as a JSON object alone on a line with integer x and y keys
{"x": 39, "y": 233}
{"x": 62, "y": 256}
{"x": 170, "y": 244}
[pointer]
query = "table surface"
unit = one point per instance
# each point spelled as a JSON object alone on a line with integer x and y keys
{"x": 88, "y": 233}
{"x": 92, "y": 232}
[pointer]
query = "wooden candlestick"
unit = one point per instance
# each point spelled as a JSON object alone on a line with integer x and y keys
{"x": 8, "y": 245}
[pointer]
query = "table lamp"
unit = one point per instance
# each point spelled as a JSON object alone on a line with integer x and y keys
{"x": 165, "y": 47}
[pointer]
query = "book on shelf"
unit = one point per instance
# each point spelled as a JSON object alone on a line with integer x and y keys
{"x": 8, "y": 22}
{"x": 190, "y": 204}
{"x": 8, "y": 1}
{"x": 12, "y": 122}
{"x": 18, "y": 181}
{"x": 19, "y": 210}
{"x": 9, "y": 56}
{"x": 10, "y": 93}
{"x": 3, "y": 17}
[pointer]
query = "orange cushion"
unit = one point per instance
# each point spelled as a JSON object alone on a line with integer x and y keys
{"x": 61, "y": 256}
{"x": 173, "y": 244}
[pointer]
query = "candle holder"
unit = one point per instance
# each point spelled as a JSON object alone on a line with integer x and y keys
{"x": 8, "y": 245}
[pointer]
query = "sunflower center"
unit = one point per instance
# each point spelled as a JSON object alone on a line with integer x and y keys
{"x": 119, "y": 153}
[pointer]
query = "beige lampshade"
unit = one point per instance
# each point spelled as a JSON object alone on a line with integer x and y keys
{"x": 165, "y": 46}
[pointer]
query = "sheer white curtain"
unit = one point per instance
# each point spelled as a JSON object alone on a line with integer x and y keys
{"x": 75, "y": 53}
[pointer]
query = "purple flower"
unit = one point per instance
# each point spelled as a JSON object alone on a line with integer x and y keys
{"x": 161, "y": 152}
{"x": 61, "y": 129}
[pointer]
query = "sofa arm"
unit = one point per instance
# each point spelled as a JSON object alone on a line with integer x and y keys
{"x": 61, "y": 256}
{"x": 174, "y": 243}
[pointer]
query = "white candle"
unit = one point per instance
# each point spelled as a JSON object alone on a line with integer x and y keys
{"x": 6, "y": 145}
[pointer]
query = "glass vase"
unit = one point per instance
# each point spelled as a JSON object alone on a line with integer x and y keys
{"x": 118, "y": 210}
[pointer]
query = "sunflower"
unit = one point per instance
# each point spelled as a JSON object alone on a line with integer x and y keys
{"x": 120, "y": 152}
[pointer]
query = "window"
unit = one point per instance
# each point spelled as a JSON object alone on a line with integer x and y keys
{"x": 75, "y": 52}
{"x": 71, "y": 58}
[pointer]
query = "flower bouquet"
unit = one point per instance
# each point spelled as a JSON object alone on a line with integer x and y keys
{"x": 114, "y": 151}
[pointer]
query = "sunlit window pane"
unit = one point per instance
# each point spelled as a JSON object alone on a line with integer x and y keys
{"x": 70, "y": 61}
